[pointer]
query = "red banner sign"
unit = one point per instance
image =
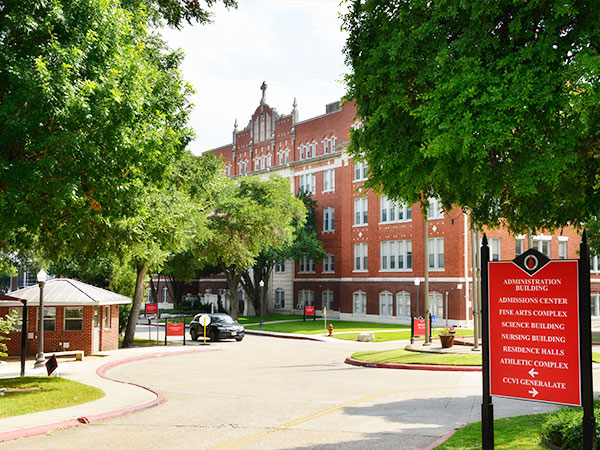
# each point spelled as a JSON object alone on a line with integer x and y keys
{"x": 309, "y": 310}
{"x": 534, "y": 331}
{"x": 419, "y": 327}
{"x": 151, "y": 308}
{"x": 175, "y": 329}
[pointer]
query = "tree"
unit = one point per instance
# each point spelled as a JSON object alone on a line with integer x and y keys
{"x": 492, "y": 106}
{"x": 174, "y": 12}
{"x": 250, "y": 215}
{"x": 6, "y": 326}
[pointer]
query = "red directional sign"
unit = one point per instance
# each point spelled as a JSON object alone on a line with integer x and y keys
{"x": 175, "y": 329}
{"x": 534, "y": 330}
{"x": 151, "y": 308}
{"x": 309, "y": 310}
{"x": 419, "y": 327}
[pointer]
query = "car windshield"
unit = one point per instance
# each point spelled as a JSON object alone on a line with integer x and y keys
{"x": 223, "y": 319}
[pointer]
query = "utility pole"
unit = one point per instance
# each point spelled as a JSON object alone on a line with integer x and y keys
{"x": 475, "y": 287}
{"x": 426, "y": 289}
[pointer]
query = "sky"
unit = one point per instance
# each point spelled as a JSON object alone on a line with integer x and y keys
{"x": 294, "y": 45}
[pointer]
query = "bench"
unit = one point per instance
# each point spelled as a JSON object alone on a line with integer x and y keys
{"x": 78, "y": 354}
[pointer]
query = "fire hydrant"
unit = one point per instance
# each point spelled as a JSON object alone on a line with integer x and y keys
{"x": 330, "y": 328}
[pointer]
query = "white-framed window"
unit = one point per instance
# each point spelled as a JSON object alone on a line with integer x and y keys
{"x": 396, "y": 255}
{"x": 327, "y": 300}
{"x": 361, "y": 251}
{"x": 386, "y": 304}
{"x": 328, "y": 145}
{"x": 302, "y": 151}
{"x": 280, "y": 266}
{"x": 147, "y": 295}
{"x": 360, "y": 170}
{"x": 403, "y": 304}
{"x": 328, "y": 219}
{"x": 256, "y": 131}
{"x": 262, "y": 128}
{"x": 595, "y": 296}
{"x": 165, "y": 295}
{"x": 394, "y": 212}
{"x": 18, "y": 312}
{"x": 50, "y": 318}
{"x": 495, "y": 245}
{"x": 594, "y": 267}
{"x": 256, "y": 164}
{"x": 329, "y": 263}
{"x": 228, "y": 168}
{"x": 306, "y": 297}
{"x": 519, "y": 246}
{"x": 287, "y": 155}
{"x": 436, "y": 253}
{"x": 361, "y": 211}
{"x": 435, "y": 210}
{"x": 329, "y": 180}
{"x": 269, "y": 160}
{"x": 359, "y": 302}
{"x": 307, "y": 265}
{"x": 107, "y": 316}
{"x": 74, "y": 318}
{"x": 313, "y": 147}
{"x": 436, "y": 305}
{"x": 279, "y": 298}
{"x": 307, "y": 183}
{"x": 280, "y": 155}
{"x": 268, "y": 136}
{"x": 542, "y": 244}
{"x": 562, "y": 249}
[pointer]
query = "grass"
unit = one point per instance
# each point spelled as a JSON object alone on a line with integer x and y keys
{"x": 596, "y": 357}
{"x": 394, "y": 335}
{"x": 318, "y": 327}
{"x": 522, "y": 432}
{"x": 42, "y": 394}
{"x": 256, "y": 319}
{"x": 140, "y": 341}
{"x": 401, "y": 356}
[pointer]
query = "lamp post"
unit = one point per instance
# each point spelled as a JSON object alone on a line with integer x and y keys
{"x": 417, "y": 283}
{"x": 40, "y": 360}
{"x": 260, "y": 299}
{"x": 458, "y": 287}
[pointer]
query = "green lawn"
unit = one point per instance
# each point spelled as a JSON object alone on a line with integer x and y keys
{"x": 256, "y": 319}
{"x": 318, "y": 327}
{"x": 522, "y": 432}
{"x": 394, "y": 335}
{"x": 401, "y": 356}
{"x": 43, "y": 393}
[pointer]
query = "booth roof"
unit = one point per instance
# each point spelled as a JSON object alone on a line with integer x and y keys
{"x": 67, "y": 292}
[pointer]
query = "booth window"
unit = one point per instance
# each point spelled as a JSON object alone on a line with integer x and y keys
{"x": 107, "y": 316}
{"x": 74, "y": 318}
{"x": 50, "y": 318}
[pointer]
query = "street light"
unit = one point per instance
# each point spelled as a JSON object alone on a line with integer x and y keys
{"x": 260, "y": 299}
{"x": 417, "y": 283}
{"x": 40, "y": 360}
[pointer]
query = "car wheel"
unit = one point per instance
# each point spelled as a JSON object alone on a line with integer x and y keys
{"x": 239, "y": 338}
{"x": 194, "y": 334}
{"x": 213, "y": 335}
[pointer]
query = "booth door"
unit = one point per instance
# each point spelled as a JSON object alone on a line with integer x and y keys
{"x": 96, "y": 343}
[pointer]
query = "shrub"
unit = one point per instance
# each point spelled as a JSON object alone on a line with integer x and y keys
{"x": 563, "y": 429}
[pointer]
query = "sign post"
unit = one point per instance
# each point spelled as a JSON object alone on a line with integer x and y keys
{"x": 204, "y": 321}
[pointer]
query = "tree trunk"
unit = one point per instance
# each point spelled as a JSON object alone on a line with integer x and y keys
{"x": 138, "y": 299}
{"x": 176, "y": 290}
{"x": 233, "y": 279}
{"x": 154, "y": 289}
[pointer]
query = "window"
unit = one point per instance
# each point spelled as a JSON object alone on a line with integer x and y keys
{"x": 165, "y": 295}
{"x": 287, "y": 155}
{"x": 403, "y": 304}
{"x": 96, "y": 317}
{"x": 307, "y": 265}
{"x": 328, "y": 264}
{"x": 435, "y": 210}
{"x": 436, "y": 305}
{"x": 107, "y": 316}
{"x": 325, "y": 146}
{"x": 562, "y": 249}
{"x": 360, "y": 256}
{"x": 542, "y": 244}
{"x": 495, "y": 246}
{"x": 328, "y": 219}
{"x": 436, "y": 253}
{"x": 386, "y": 304}
{"x": 279, "y": 298}
{"x": 327, "y": 300}
{"x": 256, "y": 131}
{"x": 394, "y": 211}
{"x": 262, "y": 128}
{"x": 396, "y": 255}
{"x": 594, "y": 264}
{"x": 301, "y": 152}
{"x": 595, "y": 304}
{"x": 361, "y": 211}
{"x": 268, "y": 127}
{"x": 269, "y": 161}
{"x": 74, "y": 318}
{"x": 280, "y": 266}
{"x": 329, "y": 180}
{"x": 306, "y": 297}
{"x": 359, "y": 302}
{"x": 50, "y": 318}
{"x": 360, "y": 170}
{"x": 280, "y": 154}
{"x": 519, "y": 246}
{"x": 18, "y": 312}
{"x": 307, "y": 183}
{"x": 328, "y": 145}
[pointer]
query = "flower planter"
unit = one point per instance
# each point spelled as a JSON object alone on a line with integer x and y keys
{"x": 447, "y": 340}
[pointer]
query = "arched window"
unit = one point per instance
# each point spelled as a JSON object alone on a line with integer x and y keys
{"x": 359, "y": 302}
{"x": 403, "y": 304}
{"x": 279, "y": 298}
{"x": 436, "y": 305}
{"x": 327, "y": 300}
{"x": 165, "y": 295}
{"x": 386, "y": 304}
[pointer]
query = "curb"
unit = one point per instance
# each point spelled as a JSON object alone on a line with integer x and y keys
{"x": 101, "y": 371}
{"x": 441, "y": 440}
{"x": 283, "y": 336}
{"x": 441, "y": 368}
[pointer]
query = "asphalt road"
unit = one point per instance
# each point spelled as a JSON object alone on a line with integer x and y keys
{"x": 268, "y": 393}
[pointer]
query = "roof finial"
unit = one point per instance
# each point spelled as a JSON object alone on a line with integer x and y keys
{"x": 235, "y": 125}
{"x": 263, "y": 87}
{"x": 295, "y": 104}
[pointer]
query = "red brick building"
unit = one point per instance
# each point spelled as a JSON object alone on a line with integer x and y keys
{"x": 375, "y": 248}
{"x": 77, "y": 316}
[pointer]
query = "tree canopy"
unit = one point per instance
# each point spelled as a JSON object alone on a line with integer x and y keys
{"x": 491, "y": 105}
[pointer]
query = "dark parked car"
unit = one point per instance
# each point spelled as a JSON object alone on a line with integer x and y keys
{"x": 221, "y": 326}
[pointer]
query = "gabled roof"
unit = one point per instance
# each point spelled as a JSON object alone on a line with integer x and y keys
{"x": 7, "y": 298}
{"x": 67, "y": 292}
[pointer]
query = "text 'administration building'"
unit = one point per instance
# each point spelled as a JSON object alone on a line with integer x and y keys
{"x": 375, "y": 263}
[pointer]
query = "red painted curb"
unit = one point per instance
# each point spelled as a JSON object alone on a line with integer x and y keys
{"x": 441, "y": 440}
{"x": 101, "y": 371}
{"x": 357, "y": 362}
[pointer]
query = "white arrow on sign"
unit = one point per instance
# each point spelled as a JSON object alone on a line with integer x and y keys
{"x": 533, "y": 373}
{"x": 533, "y": 392}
